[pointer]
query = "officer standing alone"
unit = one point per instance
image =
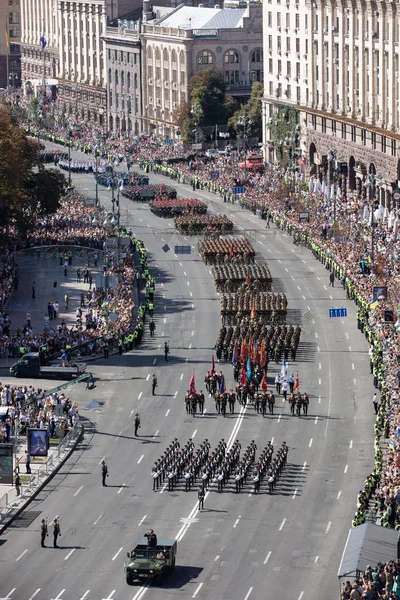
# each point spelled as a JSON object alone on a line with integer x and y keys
{"x": 104, "y": 472}
{"x": 154, "y": 384}
{"x": 137, "y": 423}
{"x": 201, "y": 496}
{"x": 56, "y": 532}
{"x": 43, "y": 533}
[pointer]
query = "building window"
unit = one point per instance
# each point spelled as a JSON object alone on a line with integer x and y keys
{"x": 269, "y": 18}
{"x": 353, "y": 134}
{"x": 116, "y": 77}
{"x": 298, "y": 96}
{"x": 270, "y": 66}
{"x": 344, "y": 131}
{"x": 257, "y": 56}
{"x": 109, "y": 76}
{"x": 232, "y": 77}
{"x": 373, "y": 140}
{"x": 231, "y": 57}
{"x": 383, "y": 143}
{"x": 333, "y": 127}
{"x": 323, "y": 124}
{"x": 13, "y": 18}
{"x": 205, "y": 58}
{"x": 394, "y": 148}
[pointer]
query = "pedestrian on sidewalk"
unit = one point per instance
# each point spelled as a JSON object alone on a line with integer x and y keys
{"x": 137, "y": 423}
{"x": 17, "y": 484}
{"x": 43, "y": 533}
{"x": 332, "y": 280}
{"x": 33, "y": 290}
{"x": 154, "y": 384}
{"x": 28, "y": 462}
{"x": 104, "y": 472}
{"x": 56, "y": 531}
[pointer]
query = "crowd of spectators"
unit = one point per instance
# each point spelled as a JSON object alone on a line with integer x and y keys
{"x": 381, "y": 582}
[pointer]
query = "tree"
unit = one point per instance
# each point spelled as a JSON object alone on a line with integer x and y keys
{"x": 182, "y": 119}
{"x": 252, "y": 110}
{"x": 207, "y": 90}
{"x": 25, "y": 189}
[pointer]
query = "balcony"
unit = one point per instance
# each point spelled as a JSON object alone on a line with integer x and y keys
{"x": 238, "y": 89}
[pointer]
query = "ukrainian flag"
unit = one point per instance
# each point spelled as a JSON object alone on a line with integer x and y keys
{"x": 7, "y": 36}
{"x": 374, "y": 303}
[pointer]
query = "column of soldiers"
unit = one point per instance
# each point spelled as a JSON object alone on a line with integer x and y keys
{"x": 160, "y": 467}
{"x": 194, "y": 403}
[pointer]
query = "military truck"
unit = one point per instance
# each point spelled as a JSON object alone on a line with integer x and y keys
{"x": 150, "y": 564}
{"x": 31, "y": 365}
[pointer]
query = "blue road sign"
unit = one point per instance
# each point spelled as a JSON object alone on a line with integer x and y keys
{"x": 337, "y": 312}
{"x": 238, "y": 190}
{"x": 183, "y": 250}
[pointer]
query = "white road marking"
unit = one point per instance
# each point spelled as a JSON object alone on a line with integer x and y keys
{"x": 181, "y": 376}
{"x": 298, "y": 287}
{"x": 59, "y": 595}
{"x": 260, "y": 242}
{"x": 279, "y": 418}
{"x": 140, "y": 459}
{"x": 317, "y": 348}
{"x": 269, "y": 250}
{"x": 328, "y": 527}
{"x": 316, "y": 334}
{"x": 282, "y": 524}
{"x": 111, "y": 595}
{"x": 190, "y": 346}
{"x": 188, "y": 282}
{"x": 339, "y": 494}
{"x": 141, "y": 521}
{"x": 121, "y": 488}
{"x": 355, "y": 381}
{"x": 346, "y": 469}
{"x": 192, "y": 333}
{"x": 272, "y": 440}
{"x": 316, "y": 420}
{"x": 330, "y": 297}
{"x": 304, "y": 297}
{"x": 310, "y": 444}
{"x": 293, "y": 278}
{"x": 97, "y": 520}
{"x": 319, "y": 381}
{"x": 267, "y": 558}
{"x": 84, "y": 595}
{"x": 164, "y": 487}
{"x": 9, "y": 593}
{"x": 156, "y": 434}
{"x": 263, "y": 235}
{"x": 319, "y": 366}
{"x": 77, "y": 491}
{"x": 237, "y": 521}
{"x": 194, "y": 433}
{"x": 316, "y": 559}
{"x": 167, "y": 413}
{"x": 140, "y": 395}
{"x": 294, "y": 494}
{"x": 351, "y": 443}
{"x": 155, "y": 360}
{"x": 191, "y": 295}
{"x": 287, "y": 270}
{"x": 349, "y": 348}
{"x": 319, "y": 279}
{"x": 300, "y": 596}
{"x": 216, "y": 558}
{"x": 184, "y": 272}
{"x": 69, "y": 554}
{"x": 197, "y": 590}
{"x": 21, "y": 555}
{"x": 147, "y": 378}
{"x": 347, "y": 335}
{"x": 165, "y": 320}
{"x": 319, "y": 400}
{"x": 304, "y": 261}
{"x": 116, "y": 555}
{"x": 117, "y": 437}
{"x": 352, "y": 366}
{"x": 175, "y": 395}
{"x": 325, "y": 288}
{"x": 304, "y": 465}
{"x": 248, "y": 594}
{"x": 35, "y": 594}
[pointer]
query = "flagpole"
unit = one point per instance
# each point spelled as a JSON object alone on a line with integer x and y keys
{"x": 44, "y": 66}
{"x": 8, "y": 51}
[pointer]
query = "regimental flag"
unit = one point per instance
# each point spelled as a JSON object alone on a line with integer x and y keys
{"x": 7, "y": 36}
{"x": 284, "y": 368}
{"x": 243, "y": 351}
{"x": 296, "y": 383}
{"x": 374, "y": 303}
{"x": 222, "y": 386}
{"x": 234, "y": 357}
{"x": 253, "y": 309}
{"x": 249, "y": 371}
{"x": 263, "y": 384}
{"x": 391, "y": 445}
{"x": 43, "y": 41}
{"x": 243, "y": 377}
{"x": 192, "y": 388}
{"x": 256, "y": 355}
{"x": 212, "y": 372}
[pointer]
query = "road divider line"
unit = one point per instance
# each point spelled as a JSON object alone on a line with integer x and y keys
{"x": 197, "y": 590}
{"x": 111, "y": 595}
{"x": 248, "y": 594}
{"x": 181, "y": 377}
{"x": 282, "y": 524}
{"x": 310, "y": 444}
{"x": 237, "y": 521}
{"x": 175, "y": 395}
{"x": 156, "y": 434}
{"x": 304, "y": 465}
{"x": 216, "y": 558}
{"x": 35, "y": 594}
{"x": 294, "y": 494}
{"x": 351, "y": 444}
{"x": 117, "y": 553}
{"x": 338, "y": 495}
{"x": 21, "y": 555}
{"x": 194, "y": 433}
{"x": 77, "y": 491}
{"x": 140, "y": 395}
{"x": 300, "y": 596}
{"x": 267, "y": 557}
{"x": 316, "y": 559}
{"x": 167, "y": 413}
{"x": 59, "y": 595}
{"x": 316, "y": 420}
{"x": 98, "y": 519}
{"x": 121, "y": 488}
{"x": 70, "y": 554}
{"x": 328, "y": 527}
{"x": 164, "y": 487}
{"x": 346, "y": 469}
{"x": 9, "y": 593}
{"x": 84, "y": 595}
{"x": 140, "y": 459}
{"x": 148, "y": 377}
{"x": 141, "y": 521}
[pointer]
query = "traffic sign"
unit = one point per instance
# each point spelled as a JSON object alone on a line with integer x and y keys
{"x": 183, "y": 249}
{"x": 308, "y": 315}
{"x": 396, "y": 196}
{"x": 337, "y": 312}
{"x": 238, "y": 190}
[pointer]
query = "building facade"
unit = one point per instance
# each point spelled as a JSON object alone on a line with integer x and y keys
{"x": 124, "y": 103}
{"x": 10, "y": 55}
{"x": 336, "y": 67}
{"x": 176, "y": 46}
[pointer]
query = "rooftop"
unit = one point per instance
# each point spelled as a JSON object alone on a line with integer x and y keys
{"x": 191, "y": 17}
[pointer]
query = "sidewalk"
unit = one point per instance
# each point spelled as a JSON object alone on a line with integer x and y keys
{"x": 42, "y": 469}
{"x": 44, "y": 272}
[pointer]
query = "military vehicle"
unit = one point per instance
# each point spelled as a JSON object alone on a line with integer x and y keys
{"x": 150, "y": 563}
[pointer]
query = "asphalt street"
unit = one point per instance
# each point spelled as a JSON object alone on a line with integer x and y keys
{"x": 241, "y": 547}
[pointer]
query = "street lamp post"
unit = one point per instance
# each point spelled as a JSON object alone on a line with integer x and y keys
{"x": 197, "y": 112}
{"x": 332, "y": 179}
{"x": 69, "y": 157}
{"x": 244, "y": 121}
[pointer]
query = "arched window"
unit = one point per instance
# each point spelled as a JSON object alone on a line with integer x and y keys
{"x": 122, "y": 79}
{"x": 135, "y": 80}
{"x": 205, "y": 58}
{"x": 128, "y": 80}
{"x": 256, "y": 56}
{"x": 109, "y": 76}
{"x": 149, "y": 53}
{"x": 116, "y": 77}
{"x": 231, "y": 57}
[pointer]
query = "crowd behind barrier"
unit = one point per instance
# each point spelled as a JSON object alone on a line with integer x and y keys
{"x": 343, "y": 246}
{"x": 77, "y": 224}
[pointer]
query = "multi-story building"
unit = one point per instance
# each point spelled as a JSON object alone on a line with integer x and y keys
{"x": 335, "y": 67}
{"x": 123, "y": 68}
{"x": 177, "y": 45}
{"x": 10, "y": 56}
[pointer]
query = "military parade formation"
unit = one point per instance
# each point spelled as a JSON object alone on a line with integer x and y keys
{"x": 224, "y": 468}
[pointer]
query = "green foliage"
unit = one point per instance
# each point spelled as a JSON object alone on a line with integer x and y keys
{"x": 282, "y": 124}
{"x": 207, "y": 91}
{"x": 252, "y": 110}
{"x": 45, "y": 188}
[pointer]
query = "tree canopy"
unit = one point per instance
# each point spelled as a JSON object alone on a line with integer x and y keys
{"x": 252, "y": 110}
{"x": 26, "y": 188}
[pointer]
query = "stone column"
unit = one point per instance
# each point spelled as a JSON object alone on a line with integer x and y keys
{"x": 91, "y": 48}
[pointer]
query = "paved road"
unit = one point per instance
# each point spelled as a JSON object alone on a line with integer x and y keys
{"x": 242, "y": 547}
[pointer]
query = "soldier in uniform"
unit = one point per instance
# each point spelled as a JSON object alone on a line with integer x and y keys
{"x": 151, "y": 538}
{"x": 201, "y": 400}
{"x": 43, "y": 533}
{"x": 154, "y": 384}
{"x": 56, "y": 531}
{"x": 104, "y": 472}
{"x": 137, "y": 423}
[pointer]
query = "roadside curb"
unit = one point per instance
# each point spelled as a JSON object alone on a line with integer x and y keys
{"x": 20, "y": 509}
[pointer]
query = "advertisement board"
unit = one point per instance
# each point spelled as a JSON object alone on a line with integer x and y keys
{"x": 38, "y": 442}
{"x": 6, "y": 463}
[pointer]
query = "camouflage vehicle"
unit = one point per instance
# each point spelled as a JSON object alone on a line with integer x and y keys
{"x": 150, "y": 564}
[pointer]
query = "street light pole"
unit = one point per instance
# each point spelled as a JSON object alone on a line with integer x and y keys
{"x": 69, "y": 157}
{"x": 97, "y": 177}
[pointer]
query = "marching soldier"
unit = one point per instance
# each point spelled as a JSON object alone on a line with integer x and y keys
{"x": 201, "y": 401}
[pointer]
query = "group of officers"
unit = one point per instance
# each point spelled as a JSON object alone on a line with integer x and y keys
{"x": 220, "y": 465}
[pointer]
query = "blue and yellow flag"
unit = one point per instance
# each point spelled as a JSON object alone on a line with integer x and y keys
{"x": 374, "y": 303}
{"x": 7, "y": 36}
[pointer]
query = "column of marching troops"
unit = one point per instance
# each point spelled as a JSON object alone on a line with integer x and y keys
{"x": 220, "y": 466}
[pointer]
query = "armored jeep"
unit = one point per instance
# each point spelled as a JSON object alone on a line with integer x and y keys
{"x": 150, "y": 564}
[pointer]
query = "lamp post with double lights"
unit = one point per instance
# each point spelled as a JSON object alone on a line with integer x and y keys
{"x": 332, "y": 172}
{"x": 69, "y": 156}
{"x": 197, "y": 113}
{"x": 291, "y": 142}
{"x": 371, "y": 181}
{"x": 244, "y": 121}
